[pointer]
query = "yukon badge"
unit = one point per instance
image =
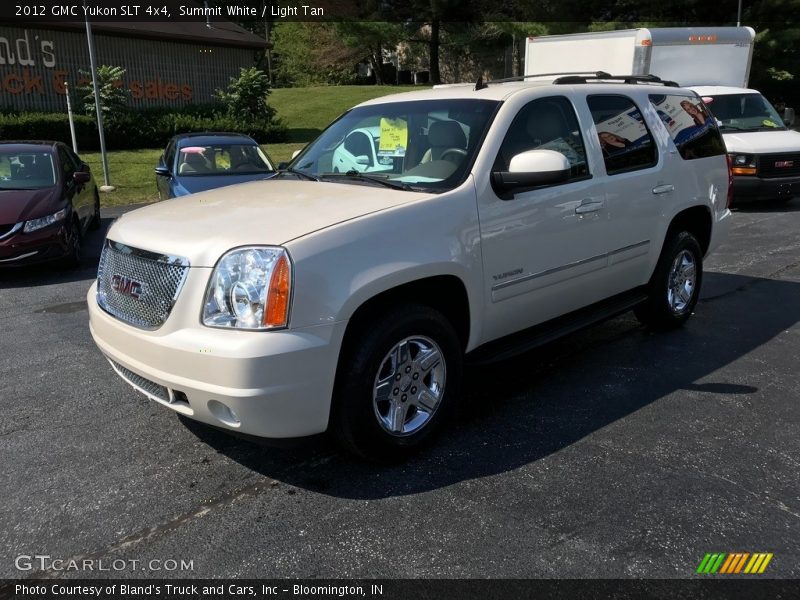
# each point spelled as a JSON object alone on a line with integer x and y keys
{"x": 126, "y": 286}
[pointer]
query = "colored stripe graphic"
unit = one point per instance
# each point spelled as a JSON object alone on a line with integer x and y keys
{"x": 732, "y": 563}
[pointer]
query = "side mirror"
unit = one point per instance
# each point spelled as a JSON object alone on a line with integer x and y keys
{"x": 163, "y": 171}
{"x": 362, "y": 160}
{"x": 788, "y": 116}
{"x": 530, "y": 169}
{"x": 295, "y": 153}
{"x": 282, "y": 165}
{"x": 81, "y": 177}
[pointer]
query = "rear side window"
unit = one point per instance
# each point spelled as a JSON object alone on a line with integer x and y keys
{"x": 691, "y": 126}
{"x": 623, "y": 135}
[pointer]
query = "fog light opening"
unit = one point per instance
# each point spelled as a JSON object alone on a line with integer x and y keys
{"x": 223, "y": 413}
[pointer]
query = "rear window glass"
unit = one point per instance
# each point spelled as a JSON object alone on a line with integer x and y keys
{"x": 623, "y": 135}
{"x": 690, "y": 125}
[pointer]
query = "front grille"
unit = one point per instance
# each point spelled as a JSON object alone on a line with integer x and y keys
{"x": 141, "y": 383}
{"x": 137, "y": 286}
{"x": 768, "y": 165}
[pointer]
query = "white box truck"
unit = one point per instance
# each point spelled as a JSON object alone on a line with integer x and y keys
{"x": 715, "y": 63}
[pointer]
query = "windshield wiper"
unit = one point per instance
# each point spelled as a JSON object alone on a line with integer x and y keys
{"x": 353, "y": 174}
{"x": 302, "y": 174}
{"x": 726, "y": 126}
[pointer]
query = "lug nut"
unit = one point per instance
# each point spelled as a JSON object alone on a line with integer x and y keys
{"x": 408, "y": 369}
{"x": 416, "y": 375}
{"x": 413, "y": 390}
{"x": 396, "y": 391}
{"x": 397, "y": 377}
{"x": 403, "y": 397}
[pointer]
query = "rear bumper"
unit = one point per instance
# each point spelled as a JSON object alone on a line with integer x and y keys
{"x": 748, "y": 188}
{"x": 278, "y": 384}
{"x": 22, "y": 249}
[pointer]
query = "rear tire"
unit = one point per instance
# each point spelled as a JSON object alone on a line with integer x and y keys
{"x": 674, "y": 288}
{"x": 397, "y": 384}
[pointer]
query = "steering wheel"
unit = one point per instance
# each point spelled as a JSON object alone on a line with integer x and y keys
{"x": 457, "y": 151}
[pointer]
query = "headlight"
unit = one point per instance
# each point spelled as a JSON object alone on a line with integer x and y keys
{"x": 250, "y": 288}
{"x": 743, "y": 160}
{"x": 41, "y": 222}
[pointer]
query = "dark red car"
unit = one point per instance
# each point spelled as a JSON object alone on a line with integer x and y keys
{"x": 48, "y": 200}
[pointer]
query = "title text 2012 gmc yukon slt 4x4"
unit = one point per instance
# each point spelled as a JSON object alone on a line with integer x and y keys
{"x": 344, "y": 294}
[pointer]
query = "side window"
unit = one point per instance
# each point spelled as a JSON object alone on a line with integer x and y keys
{"x": 169, "y": 156}
{"x": 546, "y": 124}
{"x": 67, "y": 166}
{"x": 623, "y": 135}
{"x": 690, "y": 125}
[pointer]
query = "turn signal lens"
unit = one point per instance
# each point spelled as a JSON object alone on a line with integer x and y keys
{"x": 277, "y": 313}
{"x": 743, "y": 170}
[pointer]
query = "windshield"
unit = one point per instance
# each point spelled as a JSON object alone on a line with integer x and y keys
{"x": 423, "y": 144}
{"x": 26, "y": 170}
{"x": 745, "y": 112}
{"x": 222, "y": 159}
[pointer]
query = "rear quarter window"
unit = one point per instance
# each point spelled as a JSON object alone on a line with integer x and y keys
{"x": 692, "y": 128}
{"x": 623, "y": 134}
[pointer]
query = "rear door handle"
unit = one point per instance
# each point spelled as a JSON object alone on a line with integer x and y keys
{"x": 587, "y": 206}
{"x": 664, "y": 189}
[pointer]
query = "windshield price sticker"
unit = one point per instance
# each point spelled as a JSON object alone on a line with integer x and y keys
{"x": 394, "y": 137}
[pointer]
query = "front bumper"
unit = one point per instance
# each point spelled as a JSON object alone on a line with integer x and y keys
{"x": 751, "y": 188}
{"x": 23, "y": 249}
{"x": 271, "y": 384}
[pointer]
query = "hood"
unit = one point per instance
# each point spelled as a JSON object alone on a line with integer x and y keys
{"x": 762, "y": 142}
{"x": 202, "y": 227}
{"x": 198, "y": 183}
{"x": 21, "y": 205}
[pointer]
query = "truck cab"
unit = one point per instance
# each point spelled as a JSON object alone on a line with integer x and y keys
{"x": 764, "y": 151}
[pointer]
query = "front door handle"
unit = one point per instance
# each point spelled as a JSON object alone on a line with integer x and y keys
{"x": 588, "y": 206}
{"x": 664, "y": 189}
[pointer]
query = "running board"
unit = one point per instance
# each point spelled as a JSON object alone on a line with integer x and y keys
{"x": 539, "y": 335}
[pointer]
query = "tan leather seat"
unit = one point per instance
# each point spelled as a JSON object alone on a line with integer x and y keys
{"x": 444, "y": 135}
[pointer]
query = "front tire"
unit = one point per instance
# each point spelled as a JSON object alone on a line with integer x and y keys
{"x": 397, "y": 383}
{"x": 674, "y": 288}
{"x": 94, "y": 224}
{"x": 72, "y": 259}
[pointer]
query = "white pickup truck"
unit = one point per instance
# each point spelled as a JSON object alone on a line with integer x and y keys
{"x": 715, "y": 63}
{"x": 473, "y": 222}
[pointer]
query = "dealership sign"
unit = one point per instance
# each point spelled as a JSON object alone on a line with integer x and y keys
{"x": 28, "y": 67}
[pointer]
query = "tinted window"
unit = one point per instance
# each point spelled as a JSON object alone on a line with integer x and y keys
{"x": 546, "y": 124}
{"x": 26, "y": 170}
{"x": 67, "y": 165}
{"x": 623, "y": 135}
{"x": 691, "y": 126}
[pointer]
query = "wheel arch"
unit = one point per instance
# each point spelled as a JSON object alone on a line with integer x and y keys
{"x": 697, "y": 220}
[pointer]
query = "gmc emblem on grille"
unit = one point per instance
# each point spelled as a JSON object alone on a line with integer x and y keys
{"x": 126, "y": 286}
{"x": 784, "y": 163}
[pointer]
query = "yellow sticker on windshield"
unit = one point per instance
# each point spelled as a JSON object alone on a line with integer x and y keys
{"x": 394, "y": 137}
{"x": 768, "y": 123}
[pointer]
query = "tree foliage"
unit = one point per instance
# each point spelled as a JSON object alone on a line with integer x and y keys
{"x": 245, "y": 98}
{"x": 113, "y": 95}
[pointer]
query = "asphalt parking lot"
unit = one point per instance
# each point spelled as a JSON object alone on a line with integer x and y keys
{"x": 612, "y": 453}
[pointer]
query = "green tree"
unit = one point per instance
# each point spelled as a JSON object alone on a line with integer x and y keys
{"x": 369, "y": 39}
{"x": 113, "y": 94}
{"x": 308, "y": 53}
{"x": 245, "y": 98}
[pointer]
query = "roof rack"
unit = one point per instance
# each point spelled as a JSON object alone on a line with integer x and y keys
{"x": 571, "y": 79}
{"x": 481, "y": 84}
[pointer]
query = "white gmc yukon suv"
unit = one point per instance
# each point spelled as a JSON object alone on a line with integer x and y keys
{"x": 420, "y": 231}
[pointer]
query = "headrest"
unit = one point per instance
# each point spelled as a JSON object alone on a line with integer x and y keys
{"x": 446, "y": 134}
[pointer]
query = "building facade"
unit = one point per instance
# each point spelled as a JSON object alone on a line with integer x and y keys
{"x": 166, "y": 64}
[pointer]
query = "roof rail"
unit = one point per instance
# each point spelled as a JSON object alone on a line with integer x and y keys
{"x": 481, "y": 84}
{"x": 571, "y": 79}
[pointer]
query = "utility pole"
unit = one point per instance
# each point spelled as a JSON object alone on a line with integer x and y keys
{"x": 739, "y": 15}
{"x": 90, "y": 40}
{"x": 71, "y": 120}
